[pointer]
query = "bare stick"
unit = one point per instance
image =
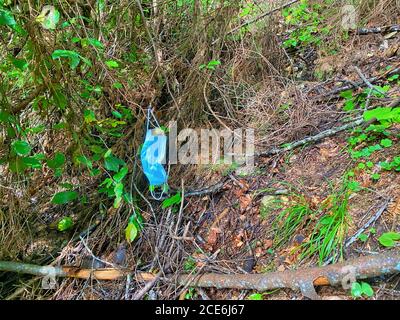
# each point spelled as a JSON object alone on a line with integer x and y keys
{"x": 359, "y": 84}
{"x": 364, "y": 31}
{"x": 139, "y": 295}
{"x": 366, "y": 226}
{"x": 305, "y": 279}
{"x": 367, "y": 82}
{"x": 317, "y": 137}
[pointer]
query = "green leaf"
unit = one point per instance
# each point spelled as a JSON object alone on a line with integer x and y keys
{"x": 21, "y": 148}
{"x": 117, "y": 85}
{"x": 121, "y": 174}
{"x": 32, "y": 162}
{"x": 363, "y": 237}
{"x": 366, "y": 289}
{"x": 59, "y": 98}
{"x": 84, "y": 160}
{"x": 255, "y": 296}
{"x": 348, "y": 94}
{"x": 112, "y": 64}
{"x": 89, "y": 116}
{"x": 118, "y": 191}
{"x": 361, "y": 166}
{"x": 74, "y": 57}
{"x": 57, "y": 162}
{"x": 388, "y": 239}
{"x": 375, "y": 176}
{"x": 21, "y": 64}
{"x": 176, "y": 199}
{"x": 356, "y": 290}
{"x": 65, "y": 224}
{"x": 386, "y": 143}
{"x": 112, "y": 163}
{"x": 388, "y": 114}
{"x": 95, "y": 43}
{"x": 64, "y": 197}
{"x": 6, "y": 18}
{"x": 49, "y": 17}
{"x": 349, "y": 105}
{"x": 131, "y": 232}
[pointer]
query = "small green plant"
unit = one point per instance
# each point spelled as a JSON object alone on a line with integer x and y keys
{"x": 211, "y": 65}
{"x": 65, "y": 224}
{"x": 64, "y": 197}
{"x": 330, "y": 230}
{"x": 189, "y": 264}
{"x": 135, "y": 225}
{"x": 291, "y": 219}
{"x": 173, "y": 200}
{"x": 191, "y": 294}
{"x": 255, "y": 296}
{"x": 307, "y": 19}
{"x": 389, "y": 239}
{"x": 361, "y": 289}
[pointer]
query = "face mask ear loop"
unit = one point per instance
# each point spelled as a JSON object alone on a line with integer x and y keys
{"x": 155, "y": 197}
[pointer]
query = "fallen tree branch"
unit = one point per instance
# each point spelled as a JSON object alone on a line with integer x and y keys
{"x": 317, "y": 137}
{"x": 367, "y": 82}
{"x": 367, "y": 225}
{"x": 304, "y": 280}
{"x": 386, "y": 29}
{"x": 355, "y": 85}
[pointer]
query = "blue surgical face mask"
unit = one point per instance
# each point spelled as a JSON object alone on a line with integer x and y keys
{"x": 152, "y": 157}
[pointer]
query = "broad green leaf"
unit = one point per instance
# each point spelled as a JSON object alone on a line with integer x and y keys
{"x": 176, "y": 199}
{"x": 32, "y": 162}
{"x": 381, "y": 114}
{"x": 375, "y": 176}
{"x": 74, "y": 57}
{"x": 366, "y": 289}
{"x": 386, "y": 143}
{"x": 255, "y": 296}
{"x": 131, "y": 232}
{"x": 118, "y": 191}
{"x": 121, "y": 174}
{"x": 84, "y": 160}
{"x": 60, "y": 100}
{"x": 117, "y": 85}
{"x": 22, "y": 148}
{"x": 112, "y": 163}
{"x": 65, "y": 224}
{"x": 64, "y": 197}
{"x": 348, "y": 94}
{"x": 6, "y": 18}
{"x": 363, "y": 237}
{"x": 95, "y": 43}
{"x": 89, "y": 116}
{"x": 388, "y": 239}
{"x": 21, "y": 64}
{"x": 57, "y": 162}
{"x": 49, "y": 17}
{"x": 356, "y": 290}
{"x": 112, "y": 64}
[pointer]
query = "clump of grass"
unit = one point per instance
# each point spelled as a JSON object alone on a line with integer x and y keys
{"x": 328, "y": 223}
{"x": 328, "y": 235}
{"x": 291, "y": 219}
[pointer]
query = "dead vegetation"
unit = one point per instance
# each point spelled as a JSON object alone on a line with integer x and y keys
{"x": 226, "y": 223}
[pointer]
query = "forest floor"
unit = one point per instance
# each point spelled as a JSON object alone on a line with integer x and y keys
{"x": 235, "y": 228}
